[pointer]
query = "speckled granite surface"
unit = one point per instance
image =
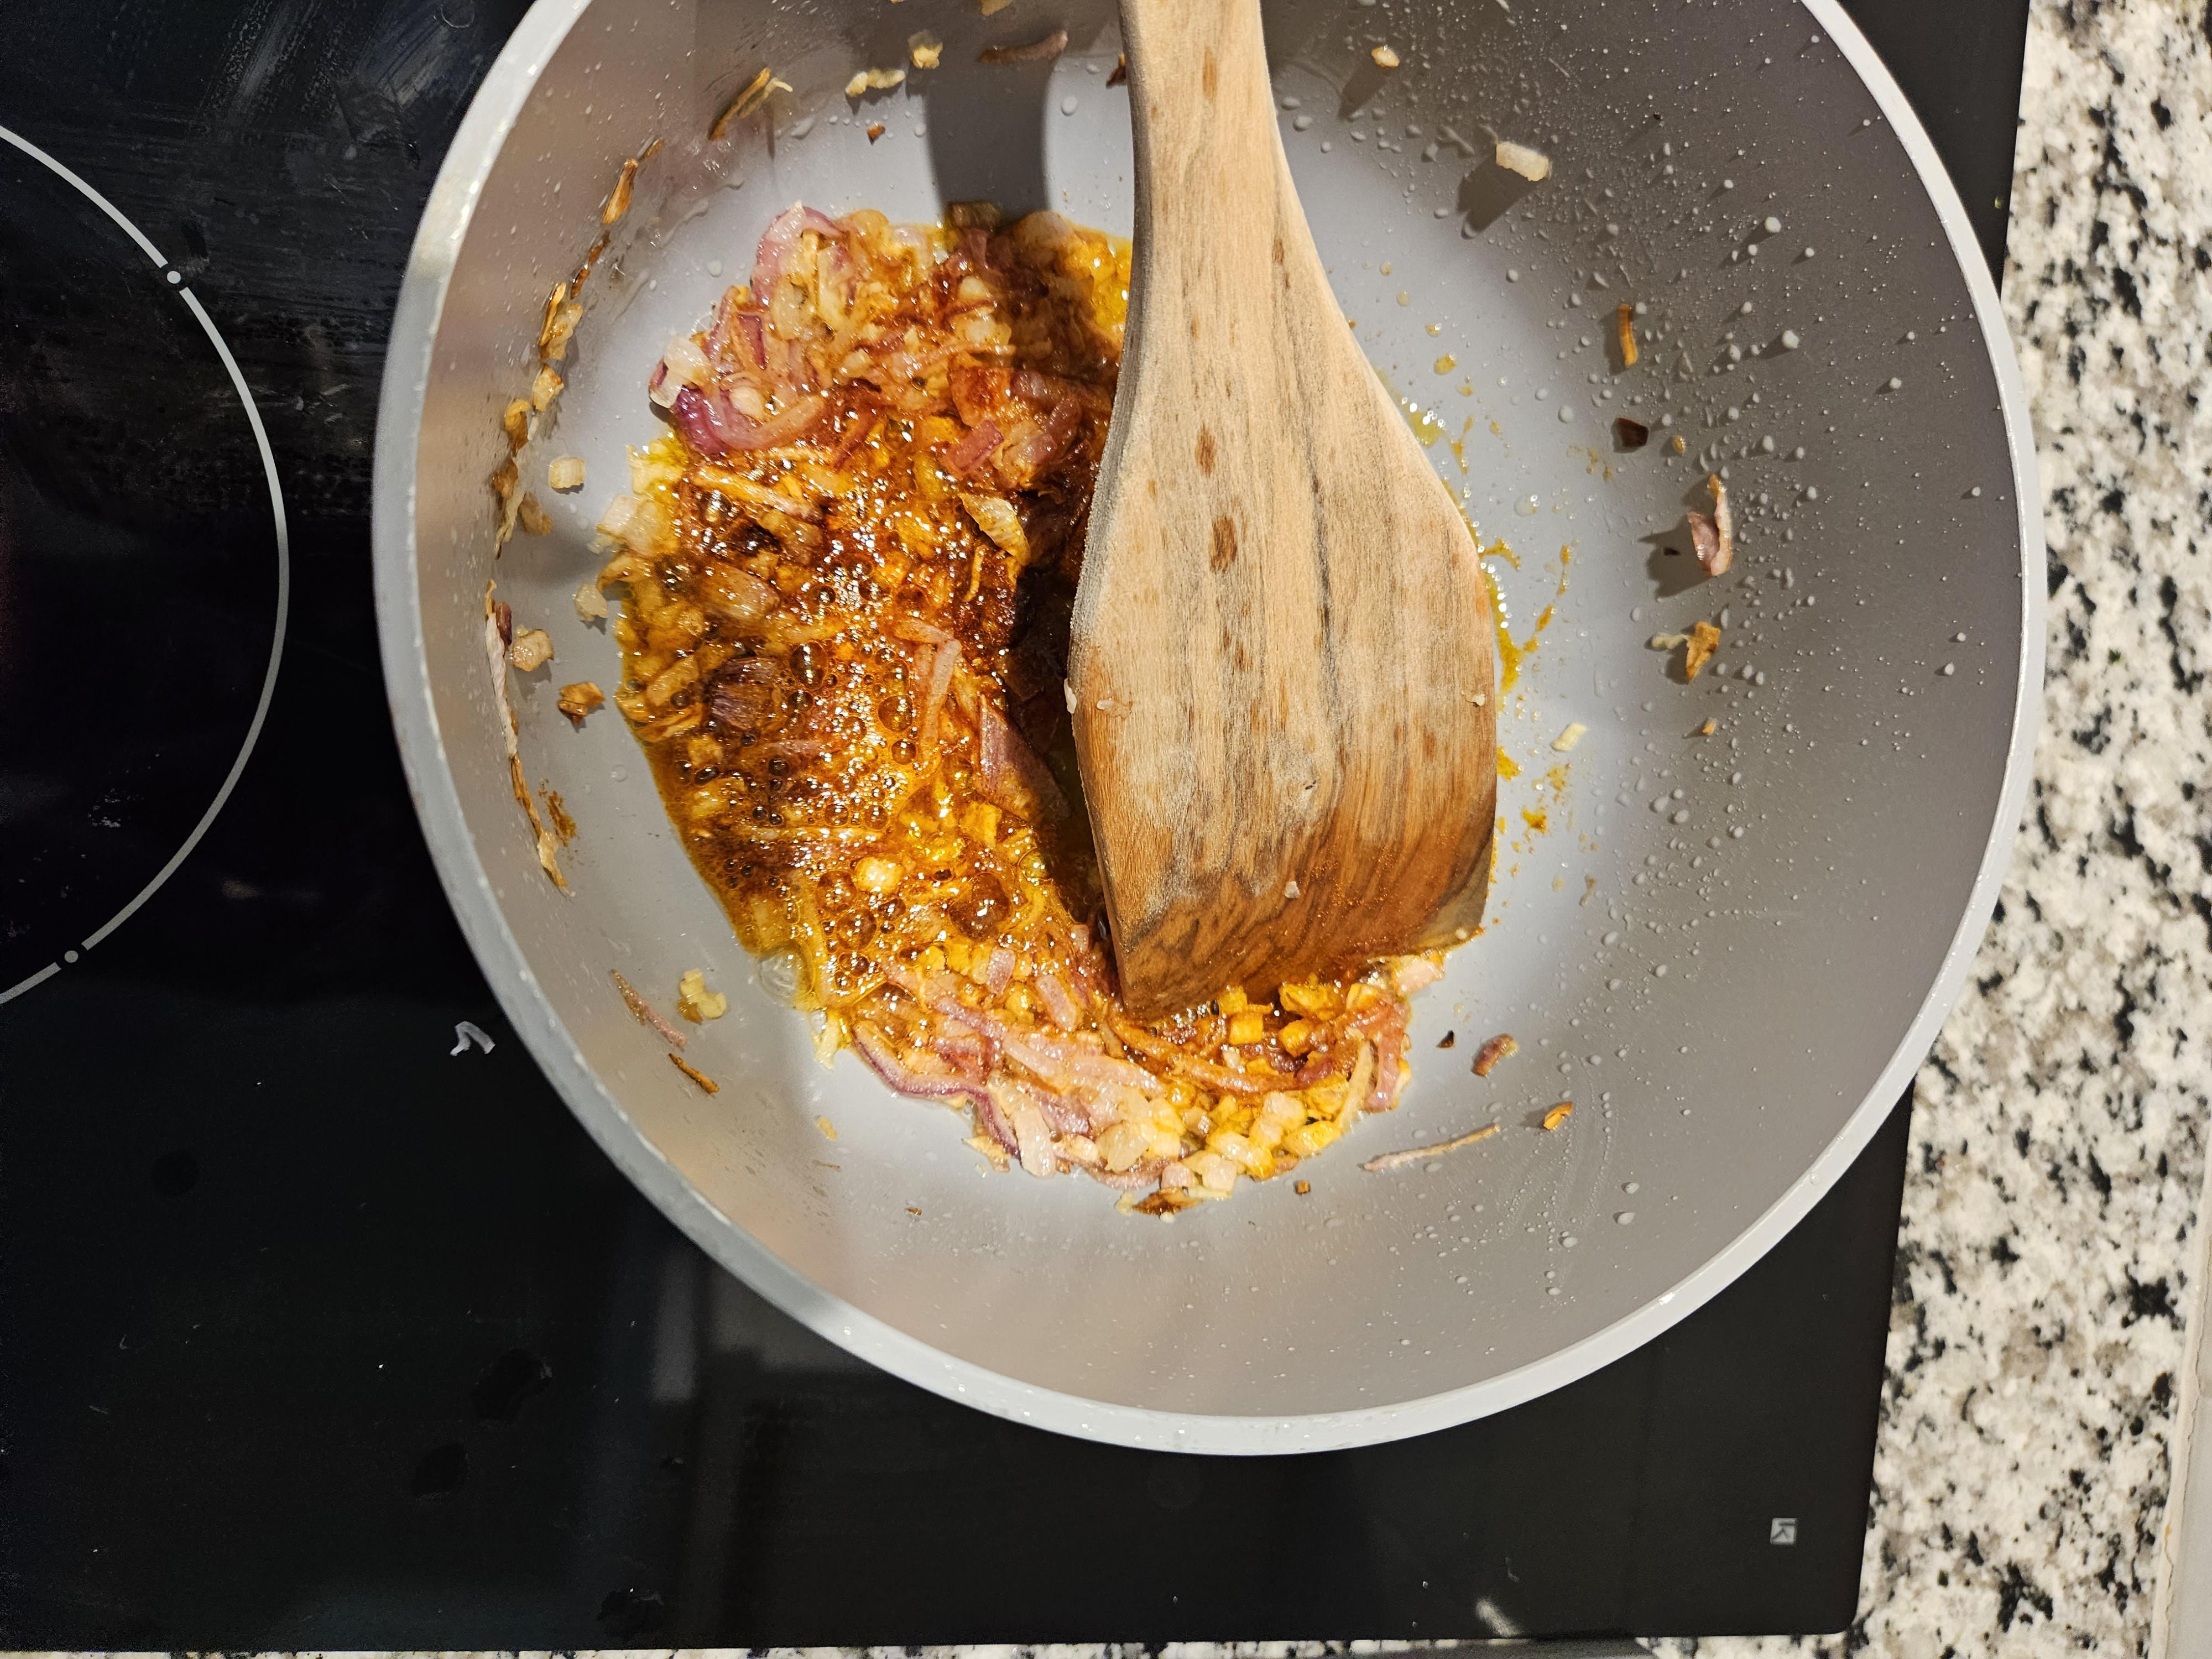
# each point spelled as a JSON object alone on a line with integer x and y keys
{"x": 2058, "y": 1147}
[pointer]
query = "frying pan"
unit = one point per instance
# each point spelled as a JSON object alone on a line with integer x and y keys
{"x": 1730, "y": 951}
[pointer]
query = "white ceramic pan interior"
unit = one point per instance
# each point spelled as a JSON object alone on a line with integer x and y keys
{"x": 1729, "y": 952}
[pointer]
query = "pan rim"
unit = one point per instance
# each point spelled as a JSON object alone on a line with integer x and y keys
{"x": 446, "y": 220}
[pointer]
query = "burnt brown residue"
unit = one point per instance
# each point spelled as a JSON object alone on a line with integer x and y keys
{"x": 1629, "y": 435}
{"x": 1224, "y": 544}
{"x": 1206, "y": 451}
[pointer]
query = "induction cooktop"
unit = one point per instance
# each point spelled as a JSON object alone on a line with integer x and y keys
{"x": 322, "y": 1325}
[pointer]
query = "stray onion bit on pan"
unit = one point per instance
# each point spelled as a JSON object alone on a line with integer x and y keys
{"x": 1629, "y": 435}
{"x": 1384, "y": 58}
{"x": 925, "y": 49}
{"x": 562, "y": 316}
{"x": 875, "y": 131}
{"x": 1500, "y": 1047}
{"x": 1623, "y": 330}
{"x": 694, "y": 1074}
{"x": 1724, "y": 523}
{"x": 499, "y": 634}
{"x": 591, "y": 604}
{"x": 532, "y": 650}
{"x": 828, "y": 1129}
{"x": 1708, "y": 728}
{"x": 1119, "y": 77}
{"x": 1037, "y": 50}
{"x": 532, "y": 516}
{"x": 580, "y": 699}
{"x": 992, "y": 8}
{"x": 545, "y": 388}
{"x": 617, "y": 203}
{"x": 564, "y": 827}
{"x": 754, "y": 96}
{"x": 564, "y": 473}
{"x": 1412, "y": 1155}
{"x": 873, "y": 80}
{"x": 1567, "y": 739}
{"x": 1448, "y": 1039}
{"x": 1558, "y": 1114}
{"x": 1698, "y": 650}
{"x": 644, "y": 1011}
{"x": 695, "y": 1002}
{"x": 1531, "y": 164}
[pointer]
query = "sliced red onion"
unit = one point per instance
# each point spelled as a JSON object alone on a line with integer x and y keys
{"x": 923, "y": 632}
{"x": 973, "y": 449}
{"x": 717, "y": 427}
{"x": 1057, "y": 1002}
{"x": 778, "y": 240}
{"x": 991, "y": 1120}
{"x": 1010, "y": 774}
{"x": 933, "y": 704}
{"x": 999, "y": 973}
{"x": 751, "y": 331}
{"x": 908, "y": 1081}
{"x": 1706, "y": 540}
{"x": 1032, "y": 1135}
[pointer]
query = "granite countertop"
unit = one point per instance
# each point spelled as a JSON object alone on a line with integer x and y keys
{"x": 2048, "y": 1257}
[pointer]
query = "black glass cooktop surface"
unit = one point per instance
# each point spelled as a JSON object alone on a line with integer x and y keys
{"x": 315, "y": 1335}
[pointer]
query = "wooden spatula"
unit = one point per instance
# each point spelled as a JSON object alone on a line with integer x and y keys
{"x": 1281, "y": 667}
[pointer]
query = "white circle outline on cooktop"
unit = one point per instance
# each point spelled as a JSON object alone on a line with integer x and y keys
{"x": 284, "y": 563}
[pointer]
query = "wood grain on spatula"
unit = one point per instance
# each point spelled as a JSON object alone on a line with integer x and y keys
{"x": 1282, "y": 666}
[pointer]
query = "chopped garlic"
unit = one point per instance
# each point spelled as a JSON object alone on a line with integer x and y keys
{"x": 1531, "y": 164}
{"x": 925, "y": 48}
{"x": 1568, "y": 738}
{"x": 1704, "y": 639}
{"x": 565, "y": 472}
{"x": 874, "y": 79}
{"x": 695, "y": 1001}
{"x": 532, "y": 649}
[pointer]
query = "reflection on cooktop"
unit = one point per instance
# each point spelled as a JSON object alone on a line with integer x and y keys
{"x": 142, "y": 569}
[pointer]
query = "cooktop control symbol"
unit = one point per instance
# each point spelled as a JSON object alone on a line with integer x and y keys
{"x": 144, "y": 567}
{"x": 1781, "y": 1529}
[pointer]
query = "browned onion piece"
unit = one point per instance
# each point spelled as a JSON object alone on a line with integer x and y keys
{"x": 717, "y": 427}
{"x": 973, "y": 449}
{"x": 1011, "y": 772}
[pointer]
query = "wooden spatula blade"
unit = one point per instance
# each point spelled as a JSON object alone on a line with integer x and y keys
{"x": 1282, "y": 660}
